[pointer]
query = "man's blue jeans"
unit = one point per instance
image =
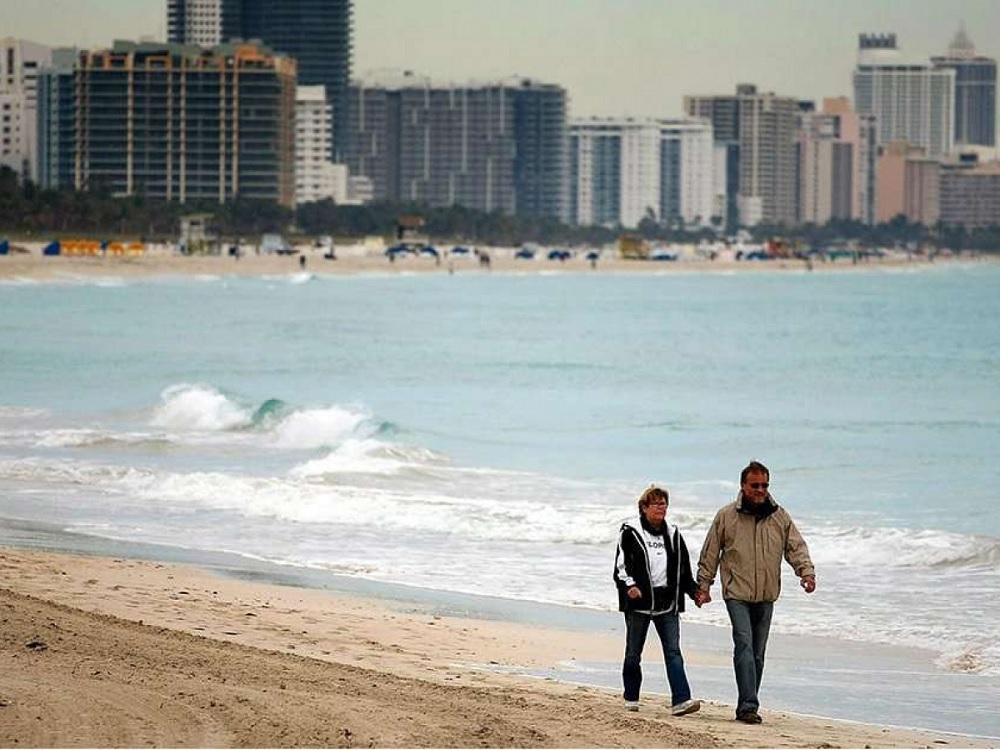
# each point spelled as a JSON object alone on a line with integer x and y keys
{"x": 751, "y": 623}
{"x": 668, "y": 628}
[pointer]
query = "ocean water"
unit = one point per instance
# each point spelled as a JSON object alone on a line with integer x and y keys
{"x": 487, "y": 433}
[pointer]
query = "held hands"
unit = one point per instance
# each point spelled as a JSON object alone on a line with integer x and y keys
{"x": 633, "y": 592}
{"x": 808, "y": 583}
{"x": 702, "y": 597}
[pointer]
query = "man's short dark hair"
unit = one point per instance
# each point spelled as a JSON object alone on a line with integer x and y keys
{"x": 754, "y": 467}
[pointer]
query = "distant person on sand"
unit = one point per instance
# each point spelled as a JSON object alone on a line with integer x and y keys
{"x": 653, "y": 574}
{"x": 302, "y": 261}
{"x": 748, "y": 539}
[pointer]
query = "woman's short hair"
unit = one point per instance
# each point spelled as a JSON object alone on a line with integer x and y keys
{"x": 653, "y": 493}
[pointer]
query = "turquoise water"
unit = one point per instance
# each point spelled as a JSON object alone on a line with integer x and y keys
{"x": 497, "y": 427}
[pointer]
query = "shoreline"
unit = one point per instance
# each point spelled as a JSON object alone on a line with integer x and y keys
{"x": 33, "y": 267}
{"x": 392, "y": 672}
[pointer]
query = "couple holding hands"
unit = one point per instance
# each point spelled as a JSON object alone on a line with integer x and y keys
{"x": 748, "y": 539}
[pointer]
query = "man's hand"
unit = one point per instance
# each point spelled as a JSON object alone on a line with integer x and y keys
{"x": 808, "y": 583}
{"x": 634, "y": 592}
{"x": 702, "y": 597}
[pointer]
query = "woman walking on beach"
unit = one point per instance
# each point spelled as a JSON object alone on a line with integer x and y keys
{"x": 653, "y": 574}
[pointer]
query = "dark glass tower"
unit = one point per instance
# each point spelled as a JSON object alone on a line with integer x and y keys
{"x": 317, "y": 33}
{"x": 975, "y": 92}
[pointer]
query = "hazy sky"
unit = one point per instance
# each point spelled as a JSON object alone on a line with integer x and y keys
{"x": 614, "y": 57}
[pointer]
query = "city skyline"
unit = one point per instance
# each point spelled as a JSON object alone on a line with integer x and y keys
{"x": 615, "y": 58}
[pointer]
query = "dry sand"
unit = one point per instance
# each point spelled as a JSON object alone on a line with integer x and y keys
{"x": 116, "y": 652}
{"x": 33, "y": 266}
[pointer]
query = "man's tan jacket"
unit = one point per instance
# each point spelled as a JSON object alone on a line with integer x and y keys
{"x": 749, "y": 550}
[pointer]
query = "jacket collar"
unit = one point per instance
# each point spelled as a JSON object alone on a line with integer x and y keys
{"x": 769, "y": 506}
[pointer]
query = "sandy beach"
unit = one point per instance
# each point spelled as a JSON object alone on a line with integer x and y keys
{"x": 32, "y": 265}
{"x": 119, "y": 652}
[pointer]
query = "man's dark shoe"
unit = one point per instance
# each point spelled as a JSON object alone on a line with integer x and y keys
{"x": 749, "y": 717}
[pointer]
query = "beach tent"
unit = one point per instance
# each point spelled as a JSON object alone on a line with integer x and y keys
{"x": 4, "y": 247}
{"x": 52, "y": 248}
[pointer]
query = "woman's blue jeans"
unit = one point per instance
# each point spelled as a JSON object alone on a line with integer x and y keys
{"x": 751, "y": 623}
{"x": 668, "y": 628}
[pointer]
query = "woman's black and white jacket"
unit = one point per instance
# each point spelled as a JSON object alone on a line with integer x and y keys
{"x": 632, "y": 568}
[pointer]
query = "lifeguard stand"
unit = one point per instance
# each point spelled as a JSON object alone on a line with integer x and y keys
{"x": 410, "y": 232}
{"x": 198, "y": 236}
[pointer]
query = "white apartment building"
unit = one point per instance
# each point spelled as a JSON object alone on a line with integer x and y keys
{"x": 200, "y": 22}
{"x": 623, "y": 171}
{"x": 316, "y": 177}
{"x": 19, "y": 64}
{"x": 912, "y": 102}
{"x": 691, "y": 142}
{"x": 640, "y": 174}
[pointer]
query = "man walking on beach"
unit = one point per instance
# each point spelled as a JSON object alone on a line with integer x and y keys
{"x": 748, "y": 538}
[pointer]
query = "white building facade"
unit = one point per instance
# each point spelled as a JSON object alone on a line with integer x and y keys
{"x": 911, "y": 102}
{"x": 20, "y": 62}
{"x": 623, "y": 171}
{"x": 694, "y": 180}
{"x": 316, "y": 177}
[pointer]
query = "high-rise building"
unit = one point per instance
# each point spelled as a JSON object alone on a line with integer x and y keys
{"x": 207, "y": 23}
{"x": 858, "y": 130}
{"x": 491, "y": 147}
{"x": 623, "y": 171}
{"x": 908, "y": 184}
{"x": 723, "y": 112}
{"x": 20, "y": 62}
{"x": 315, "y": 175}
{"x": 317, "y": 33}
{"x": 178, "y": 123}
{"x": 912, "y": 102}
{"x": 57, "y": 121}
{"x": 970, "y": 188}
{"x": 764, "y": 126}
{"x": 975, "y": 91}
{"x": 826, "y": 169}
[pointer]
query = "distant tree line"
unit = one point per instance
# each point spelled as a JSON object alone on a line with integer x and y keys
{"x": 27, "y": 211}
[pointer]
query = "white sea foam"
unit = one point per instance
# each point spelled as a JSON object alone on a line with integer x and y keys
{"x": 199, "y": 407}
{"x": 318, "y": 428}
{"x": 356, "y": 456}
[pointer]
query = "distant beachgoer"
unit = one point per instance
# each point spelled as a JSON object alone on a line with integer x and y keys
{"x": 302, "y": 261}
{"x": 653, "y": 575}
{"x": 748, "y": 539}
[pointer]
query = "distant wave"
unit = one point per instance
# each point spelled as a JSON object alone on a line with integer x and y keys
{"x": 880, "y": 548}
{"x": 188, "y": 408}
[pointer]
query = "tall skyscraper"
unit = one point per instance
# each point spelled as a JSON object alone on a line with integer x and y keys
{"x": 912, "y": 102}
{"x": 975, "y": 92}
{"x": 498, "y": 146}
{"x": 764, "y": 126}
{"x": 317, "y": 33}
